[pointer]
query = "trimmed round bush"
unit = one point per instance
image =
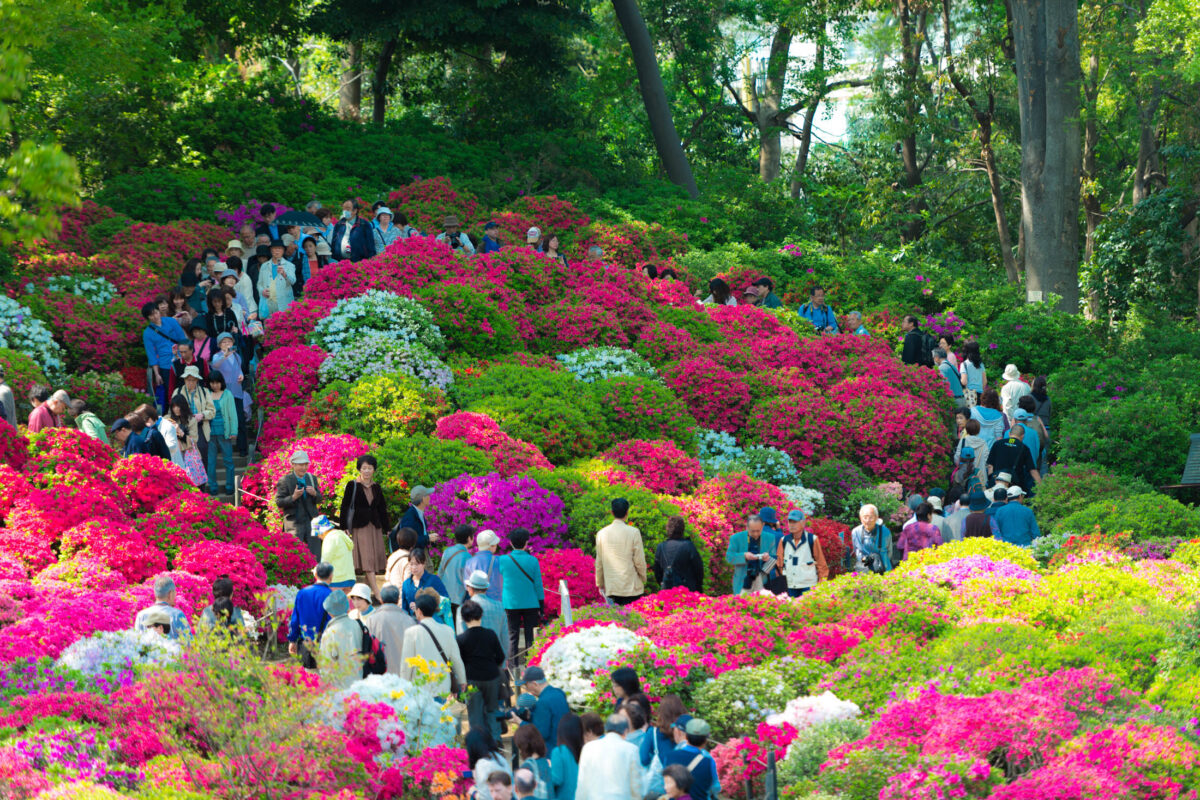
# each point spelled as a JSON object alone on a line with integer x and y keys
{"x": 382, "y": 407}
{"x": 375, "y": 311}
{"x": 564, "y": 428}
{"x": 469, "y": 320}
{"x": 593, "y": 364}
{"x": 1072, "y": 487}
{"x": 1139, "y": 435}
{"x": 381, "y": 353}
{"x": 407, "y": 461}
{"x": 639, "y": 408}
{"x": 1144, "y": 516}
{"x": 1039, "y": 340}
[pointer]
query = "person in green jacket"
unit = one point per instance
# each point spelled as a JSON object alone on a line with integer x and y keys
{"x": 87, "y": 421}
{"x": 765, "y": 289}
{"x": 223, "y": 430}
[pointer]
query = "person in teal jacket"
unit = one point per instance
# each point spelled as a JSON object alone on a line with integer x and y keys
{"x": 564, "y": 758}
{"x": 746, "y": 552}
{"x": 522, "y": 595}
{"x": 223, "y": 429}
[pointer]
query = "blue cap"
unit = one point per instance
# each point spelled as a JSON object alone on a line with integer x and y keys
{"x": 767, "y": 515}
{"x": 682, "y": 721}
{"x": 795, "y": 515}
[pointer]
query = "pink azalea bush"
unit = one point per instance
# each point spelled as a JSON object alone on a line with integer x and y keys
{"x": 147, "y": 479}
{"x": 660, "y": 466}
{"x": 212, "y": 559}
{"x": 575, "y": 567}
{"x": 287, "y": 376}
{"x": 512, "y": 456}
{"x": 117, "y": 546}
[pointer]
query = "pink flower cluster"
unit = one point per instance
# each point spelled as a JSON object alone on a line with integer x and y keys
{"x": 658, "y": 465}
{"x": 501, "y": 504}
{"x": 958, "y": 571}
{"x": 212, "y": 559}
{"x": 287, "y": 376}
{"x": 716, "y": 396}
{"x": 512, "y": 456}
{"x": 575, "y": 567}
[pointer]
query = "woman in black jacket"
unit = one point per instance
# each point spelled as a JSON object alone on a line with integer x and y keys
{"x": 364, "y": 514}
{"x": 677, "y": 562}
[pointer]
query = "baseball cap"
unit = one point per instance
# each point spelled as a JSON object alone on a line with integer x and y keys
{"x": 697, "y": 727}
{"x": 795, "y": 515}
{"x": 1015, "y": 491}
{"x": 532, "y": 675}
{"x": 682, "y": 722}
{"x": 120, "y": 424}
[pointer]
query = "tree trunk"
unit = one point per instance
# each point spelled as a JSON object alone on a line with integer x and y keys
{"x": 1149, "y": 168}
{"x": 1046, "y": 35}
{"x": 912, "y": 38}
{"x": 350, "y": 88}
{"x": 1091, "y": 201}
{"x": 770, "y": 126}
{"x": 379, "y": 91}
{"x": 654, "y": 96}
{"x": 801, "y": 167}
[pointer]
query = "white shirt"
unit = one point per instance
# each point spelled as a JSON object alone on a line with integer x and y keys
{"x": 346, "y": 237}
{"x": 170, "y": 434}
{"x": 1010, "y": 393}
{"x": 609, "y": 769}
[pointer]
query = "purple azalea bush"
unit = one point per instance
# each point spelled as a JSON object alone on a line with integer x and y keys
{"x": 501, "y": 504}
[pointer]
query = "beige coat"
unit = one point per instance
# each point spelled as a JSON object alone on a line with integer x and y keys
{"x": 620, "y": 560}
{"x": 417, "y": 642}
{"x": 388, "y": 624}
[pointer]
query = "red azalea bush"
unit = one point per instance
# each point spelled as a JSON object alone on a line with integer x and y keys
{"x": 568, "y": 325}
{"x": 660, "y": 466}
{"x": 285, "y": 559}
{"x": 20, "y": 373}
{"x": 145, "y": 257}
{"x": 808, "y": 427}
{"x": 834, "y": 538}
{"x": 31, "y": 550}
{"x": 405, "y": 267}
{"x": 512, "y": 456}
{"x": 715, "y": 396}
{"x": 71, "y": 444}
{"x": 631, "y": 243}
{"x": 13, "y": 447}
{"x": 93, "y": 337}
{"x": 291, "y": 328}
{"x": 286, "y": 423}
{"x": 427, "y": 202}
{"x": 552, "y": 215}
{"x": 116, "y": 545}
{"x": 187, "y": 516}
{"x": 575, "y": 567}
{"x": 287, "y": 376}
{"x": 147, "y": 479}
{"x": 75, "y": 221}
{"x": 13, "y": 486}
{"x": 212, "y": 559}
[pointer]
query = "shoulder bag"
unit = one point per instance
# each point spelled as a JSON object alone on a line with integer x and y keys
{"x": 455, "y": 686}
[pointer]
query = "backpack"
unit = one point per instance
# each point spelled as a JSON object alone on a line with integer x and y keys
{"x": 374, "y": 663}
{"x": 928, "y": 343}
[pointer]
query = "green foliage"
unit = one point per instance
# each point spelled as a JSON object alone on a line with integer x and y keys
{"x": 864, "y": 773}
{"x": 887, "y": 503}
{"x": 837, "y": 479}
{"x": 736, "y": 701}
{"x": 1177, "y": 686}
{"x": 156, "y": 195}
{"x": 21, "y": 372}
{"x": 811, "y": 748}
{"x": 106, "y": 393}
{"x": 564, "y": 428}
{"x": 101, "y": 234}
{"x": 419, "y": 460}
{"x": 1126, "y": 638}
{"x": 1072, "y": 486}
{"x": 513, "y": 380}
{"x": 470, "y": 321}
{"x": 881, "y": 667}
{"x": 1039, "y": 340}
{"x": 641, "y": 408}
{"x": 1145, "y": 516}
{"x": 382, "y": 407}
{"x": 1138, "y": 436}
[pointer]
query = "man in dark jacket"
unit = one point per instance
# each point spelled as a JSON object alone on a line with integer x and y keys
{"x": 353, "y": 237}
{"x": 298, "y": 496}
{"x": 914, "y": 350}
{"x": 414, "y": 516}
{"x": 1012, "y": 456}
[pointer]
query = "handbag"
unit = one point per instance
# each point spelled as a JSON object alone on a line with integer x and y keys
{"x": 455, "y": 686}
{"x": 193, "y": 464}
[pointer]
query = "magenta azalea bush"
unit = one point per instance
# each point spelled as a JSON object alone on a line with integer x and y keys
{"x": 498, "y": 503}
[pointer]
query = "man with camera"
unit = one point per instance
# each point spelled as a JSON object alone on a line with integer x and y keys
{"x": 452, "y": 235}
{"x": 752, "y": 556}
{"x": 872, "y": 543}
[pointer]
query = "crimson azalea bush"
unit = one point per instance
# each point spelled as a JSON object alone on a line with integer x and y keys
{"x": 147, "y": 479}
{"x": 659, "y": 466}
{"x": 287, "y": 376}
{"x": 512, "y": 456}
{"x": 575, "y": 567}
{"x": 115, "y": 544}
{"x": 212, "y": 559}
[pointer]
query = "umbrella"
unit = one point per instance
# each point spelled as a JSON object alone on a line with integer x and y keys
{"x": 298, "y": 218}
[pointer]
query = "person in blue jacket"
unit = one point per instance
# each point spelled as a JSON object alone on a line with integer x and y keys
{"x": 308, "y": 614}
{"x": 691, "y": 735}
{"x": 160, "y": 338}
{"x": 822, "y": 317}
{"x": 748, "y": 551}
{"x": 522, "y": 594}
{"x": 551, "y": 702}
{"x": 414, "y": 517}
{"x": 353, "y": 237}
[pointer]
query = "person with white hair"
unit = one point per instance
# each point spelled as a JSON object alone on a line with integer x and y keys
{"x": 414, "y": 516}
{"x": 298, "y": 495}
{"x": 872, "y": 542}
{"x": 486, "y": 561}
{"x": 164, "y": 603}
{"x": 854, "y": 324}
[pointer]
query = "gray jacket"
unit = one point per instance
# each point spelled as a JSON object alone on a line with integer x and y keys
{"x": 299, "y": 514}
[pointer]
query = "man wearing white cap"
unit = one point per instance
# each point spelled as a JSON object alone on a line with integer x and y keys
{"x": 297, "y": 496}
{"x": 533, "y": 237}
{"x": 1012, "y": 391}
{"x": 485, "y": 561}
{"x": 494, "y": 618}
{"x": 1017, "y": 523}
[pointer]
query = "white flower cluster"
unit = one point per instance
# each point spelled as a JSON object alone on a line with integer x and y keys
{"x": 720, "y": 454}
{"x": 810, "y": 500}
{"x": 593, "y": 364}
{"x": 570, "y": 662}
{"x": 20, "y": 330}
{"x": 421, "y": 721}
{"x": 117, "y": 649}
{"x": 382, "y": 353}
{"x": 96, "y": 290}
{"x": 804, "y": 712}
{"x": 402, "y": 318}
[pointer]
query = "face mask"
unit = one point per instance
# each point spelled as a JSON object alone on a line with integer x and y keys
{"x": 345, "y": 215}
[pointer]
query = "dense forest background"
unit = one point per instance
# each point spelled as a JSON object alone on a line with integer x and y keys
{"x": 174, "y": 109}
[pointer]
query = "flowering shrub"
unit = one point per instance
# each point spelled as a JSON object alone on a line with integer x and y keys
{"x": 12, "y": 447}
{"x": 736, "y": 701}
{"x": 575, "y": 567}
{"x": 381, "y": 407}
{"x": 470, "y": 321}
{"x": 145, "y": 480}
{"x": 593, "y": 364}
{"x": 991, "y": 548}
{"x": 956, "y": 572}
{"x": 287, "y": 376}
{"x": 512, "y": 456}
{"x": 328, "y": 456}
{"x": 638, "y": 408}
{"x": 402, "y": 318}
{"x": 943, "y": 776}
{"x": 20, "y": 330}
{"x": 117, "y": 649}
{"x": 661, "y": 671}
{"x": 107, "y": 393}
{"x": 21, "y": 371}
{"x": 501, "y": 504}
{"x": 290, "y": 328}
{"x": 570, "y": 662}
{"x": 428, "y": 201}
{"x": 714, "y": 395}
{"x": 380, "y": 354}
{"x": 211, "y": 559}
{"x": 93, "y": 335}
{"x": 117, "y": 546}
{"x": 659, "y": 466}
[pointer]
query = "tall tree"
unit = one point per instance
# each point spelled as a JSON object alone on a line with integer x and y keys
{"x": 654, "y": 95}
{"x": 1046, "y": 41}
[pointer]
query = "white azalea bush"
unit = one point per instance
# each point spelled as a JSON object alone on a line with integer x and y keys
{"x": 719, "y": 454}
{"x": 805, "y": 712}
{"x": 377, "y": 312}
{"x": 20, "y": 330}
{"x": 420, "y": 722}
{"x": 571, "y": 661}
{"x": 382, "y": 353}
{"x": 93, "y": 288}
{"x": 810, "y": 500}
{"x": 736, "y": 701}
{"x": 117, "y": 650}
{"x": 593, "y": 364}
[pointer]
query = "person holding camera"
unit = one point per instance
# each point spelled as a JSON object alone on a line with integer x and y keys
{"x": 752, "y": 555}
{"x": 872, "y": 543}
{"x": 452, "y": 235}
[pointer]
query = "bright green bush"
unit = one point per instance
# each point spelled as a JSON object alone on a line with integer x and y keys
{"x": 736, "y": 701}
{"x": 1039, "y": 340}
{"x": 381, "y": 407}
{"x": 1141, "y": 436}
{"x": 514, "y": 380}
{"x": 811, "y": 748}
{"x": 881, "y": 668}
{"x": 419, "y": 460}
{"x": 568, "y": 484}
{"x": 1144, "y": 516}
{"x": 156, "y": 195}
{"x": 1126, "y": 637}
{"x": 101, "y": 234}
{"x": 564, "y": 428}
{"x": 470, "y": 321}
{"x": 1072, "y": 486}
